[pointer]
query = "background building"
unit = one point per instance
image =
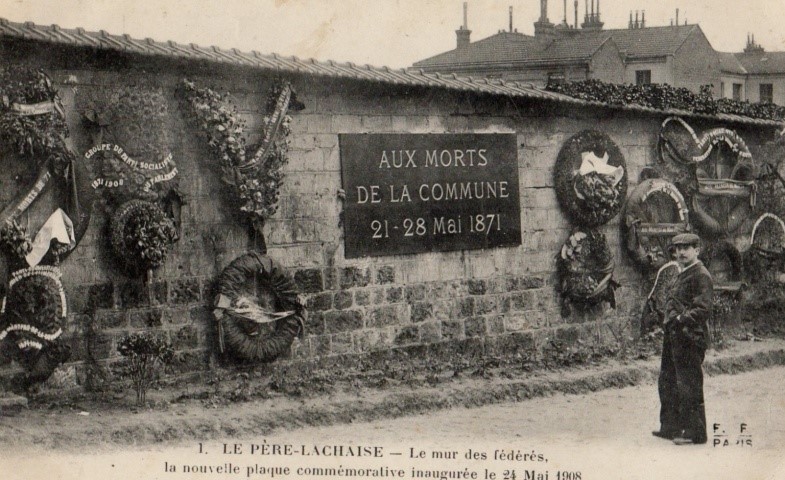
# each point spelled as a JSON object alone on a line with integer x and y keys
{"x": 678, "y": 54}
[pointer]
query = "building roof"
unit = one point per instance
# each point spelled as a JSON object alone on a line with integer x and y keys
{"x": 651, "y": 42}
{"x": 566, "y": 46}
{"x": 102, "y": 40}
{"x": 763, "y": 63}
{"x": 730, "y": 64}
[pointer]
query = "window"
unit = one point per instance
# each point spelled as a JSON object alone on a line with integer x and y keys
{"x": 722, "y": 89}
{"x": 737, "y": 91}
{"x": 642, "y": 77}
{"x": 766, "y": 93}
{"x": 555, "y": 78}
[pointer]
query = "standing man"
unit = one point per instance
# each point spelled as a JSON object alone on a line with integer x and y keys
{"x": 687, "y": 312}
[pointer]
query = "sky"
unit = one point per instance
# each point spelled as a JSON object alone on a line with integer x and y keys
{"x": 394, "y": 33}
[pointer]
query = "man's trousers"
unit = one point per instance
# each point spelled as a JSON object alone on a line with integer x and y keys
{"x": 682, "y": 411}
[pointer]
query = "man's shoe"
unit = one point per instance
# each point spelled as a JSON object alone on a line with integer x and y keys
{"x": 680, "y": 440}
{"x": 664, "y": 434}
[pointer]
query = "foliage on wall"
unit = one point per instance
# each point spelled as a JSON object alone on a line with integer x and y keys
{"x": 255, "y": 172}
{"x": 141, "y": 235}
{"x": 666, "y": 97}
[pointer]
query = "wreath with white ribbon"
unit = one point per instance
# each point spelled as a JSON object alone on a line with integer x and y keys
{"x": 720, "y": 201}
{"x": 247, "y": 328}
{"x": 590, "y": 178}
{"x": 655, "y": 212}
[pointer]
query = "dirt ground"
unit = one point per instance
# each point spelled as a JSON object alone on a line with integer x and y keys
{"x": 600, "y": 435}
{"x": 181, "y": 414}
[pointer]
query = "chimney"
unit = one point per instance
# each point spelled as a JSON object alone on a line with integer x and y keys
{"x": 543, "y": 26}
{"x": 630, "y": 24}
{"x": 643, "y": 19}
{"x": 637, "y": 25}
{"x": 463, "y": 34}
{"x": 510, "y": 18}
{"x": 565, "y": 12}
{"x": 592, "y": 10}
{"x": 677, "y": 17}
{"x": 598, "y": 10}
{"x": 576, "y": 14}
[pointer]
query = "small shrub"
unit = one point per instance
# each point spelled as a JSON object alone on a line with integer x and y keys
{"x": 145, "y": 354}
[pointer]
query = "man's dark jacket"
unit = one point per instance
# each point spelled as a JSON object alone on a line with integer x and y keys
{"x": 689, "y": 307}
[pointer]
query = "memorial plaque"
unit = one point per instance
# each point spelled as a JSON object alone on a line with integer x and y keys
{"x": 412, "y": 193}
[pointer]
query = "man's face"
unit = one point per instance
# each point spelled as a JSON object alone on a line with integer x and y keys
{"x": 686, "y": 254}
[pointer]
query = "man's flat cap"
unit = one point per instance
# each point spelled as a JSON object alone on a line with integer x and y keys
{"x": 686, "y": 239}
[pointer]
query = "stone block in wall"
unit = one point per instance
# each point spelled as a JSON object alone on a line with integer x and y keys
{"x": 431, "y": 332}
{"x": 516, "y": 322}
{"x": 111, "y": 319}
{"x": 385, "y": 274}
{"x": 410, "y": 124}
{"x": 518, "y": 342}
{"x": 485, "y": 305}
{"x": 342, "y": 344}
{"x": 100, "y": 296}
{"x": 494, "y": 324}
{"x": 316, "y": 123}
{"x": 99, "y": 345}
{"x": 475, "y": 327}
{"x": 321, "y": 345}
{"x": 297, "y": 256}
{"x": 452, "y": 329}
{"x": 387, "y": 316}
{"x": 349, "y": 277}
{"x": 342, "y": 300}
{"x": 314, "y": 323}
{"x": 407, "y": 335}
{"x": 421, "y": 311}
{"x": 362, "y": 297}
{"x": 477, "y": 286}
{"x": 347, "y": 124}
{"x": 300, "y": 160}
{"x": 343, "y": 321}
{"x": 185, "y": 338}
{"x": 184, "y": 291}
{"x": 463, "y": 308}
{"x": 376, "y": 123}
{"x": 319, "y": 302}
{"x": 201, "y": 315}
{"x": 309, "y": 280}
{"x": 415, "y": 293}
{"x": 394, "y": 294}
{"x": 135, "y": 293}
{"x": 146, "y": 318}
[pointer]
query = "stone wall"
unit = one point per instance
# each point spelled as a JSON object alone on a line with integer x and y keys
{"x": 502, "y": 299}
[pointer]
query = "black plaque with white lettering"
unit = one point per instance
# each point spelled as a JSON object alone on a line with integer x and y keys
{"x": 412, "y": 193}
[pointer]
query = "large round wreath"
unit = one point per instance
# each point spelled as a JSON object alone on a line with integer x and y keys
{"x": 590, "y": 178}
{"x": 33, "y": 316}
{"x": 655, "y": 212}
{"x": 585, "y": 266}
{"x": 141, "y": 235}
{"x": 248, "y": 328}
